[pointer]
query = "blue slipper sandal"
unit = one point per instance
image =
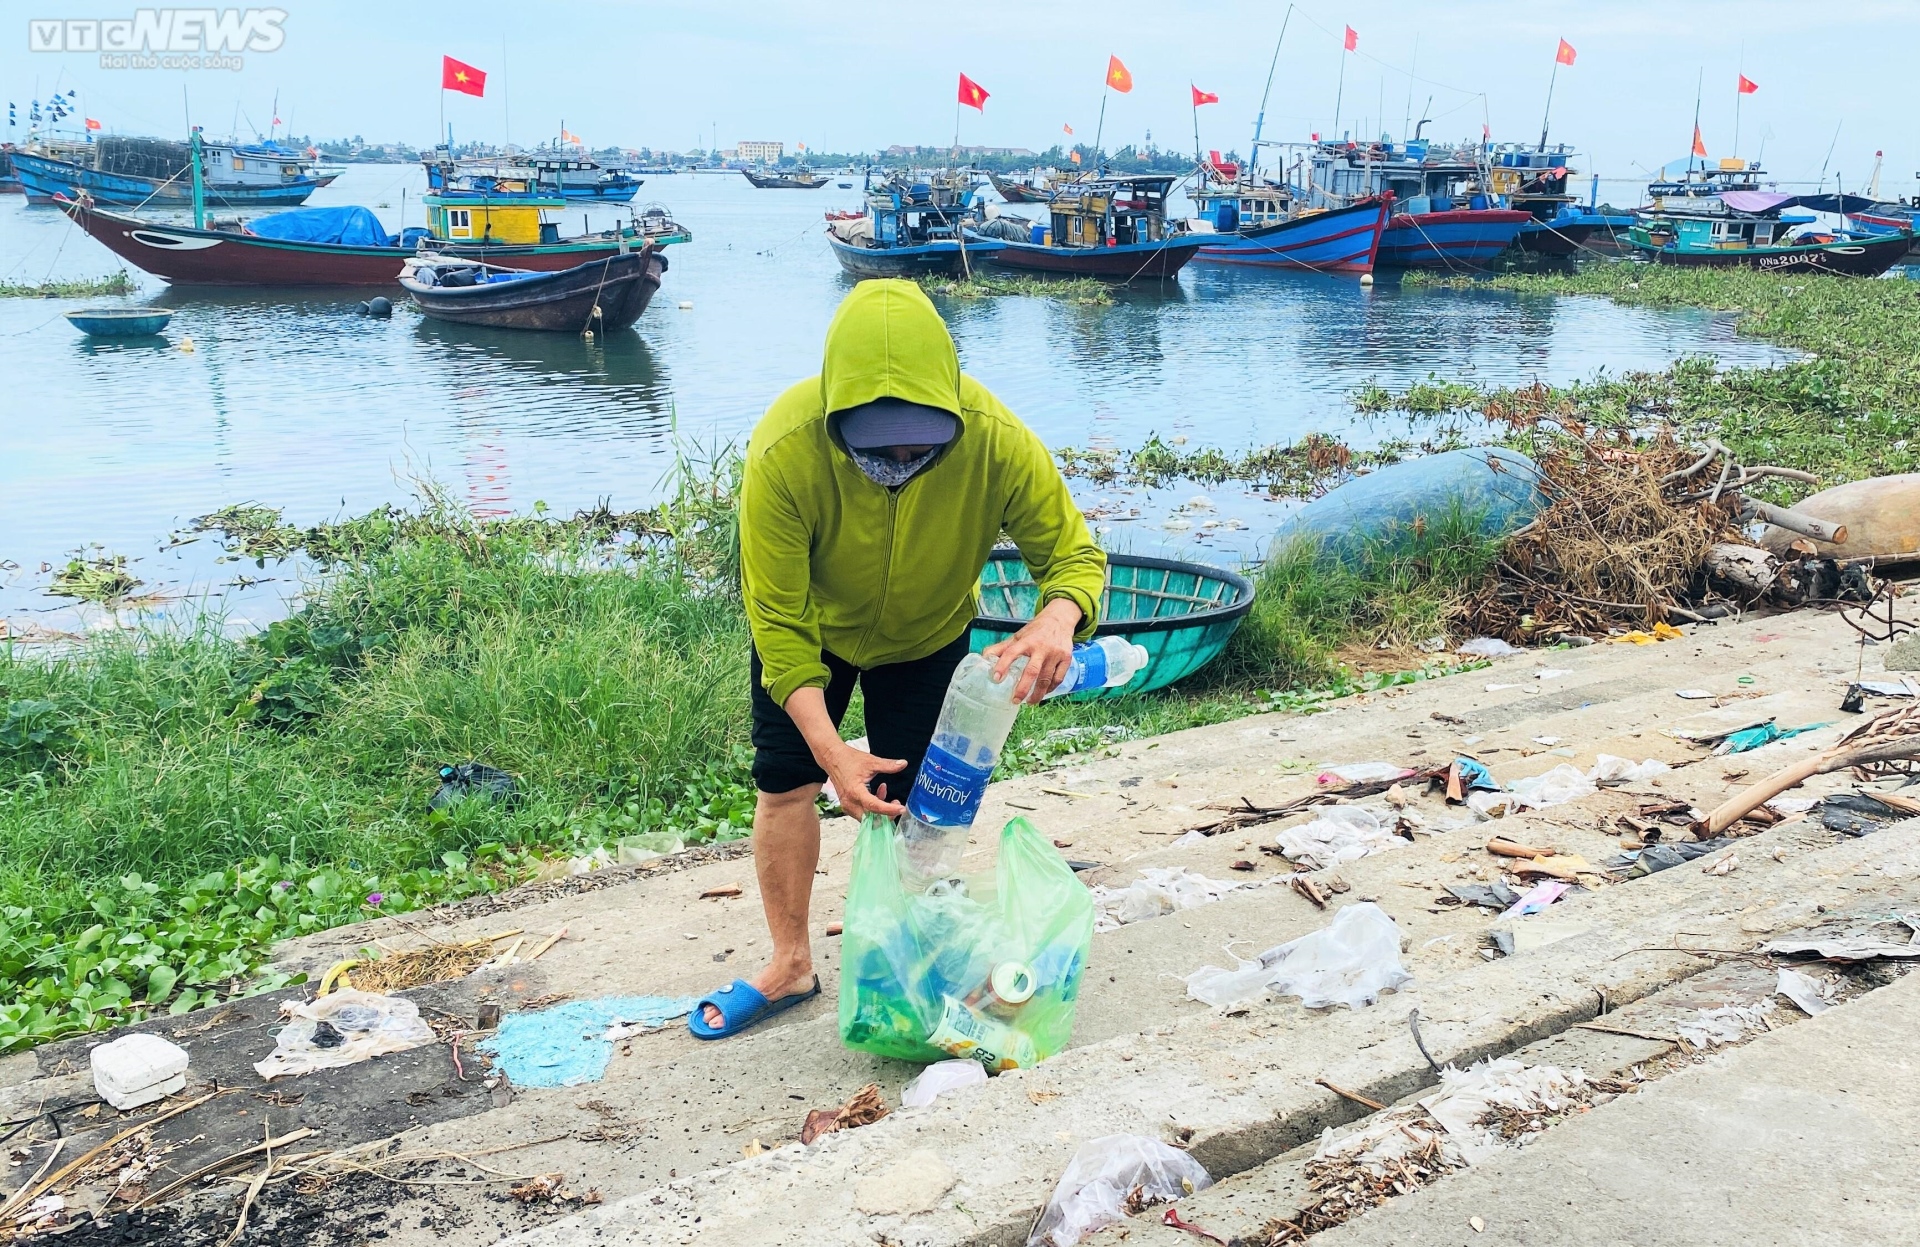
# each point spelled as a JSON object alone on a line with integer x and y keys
{"x": 741, "y": 1005}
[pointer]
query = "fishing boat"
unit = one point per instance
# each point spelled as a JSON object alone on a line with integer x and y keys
{"x": 599, "y": 297}
{"x": 1879, "y": 219}
{"x": 1257, "y": 222}
{"x": 1038, "y": 189}
{"x": 909, "y": 229}
{"x": 1534, "y": 181}
{"x": 158, "y": 172}
{"x": 801, "y": 179}
{"x": 1443, "y": 214}
{"x": 1112, "y": 227}
{"x": 10, "y": 183}
{"x": 1749, "y": 229}
{"x": 523, "y": 230}
{"x": 568, "y": 177}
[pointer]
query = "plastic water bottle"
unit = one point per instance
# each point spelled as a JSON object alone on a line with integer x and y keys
{"x": 974, "y": 722}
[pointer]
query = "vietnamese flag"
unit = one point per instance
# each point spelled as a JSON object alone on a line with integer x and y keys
{"x": 92, "y": 124}
{"x": 1066, "y": 127}
{"x": 1747, "y": 85}
{"x": 1117, "y": 76}
{"x": 1566, "y": 54}
{"x": 1699, "y": 144}
{"x": 1203, "y": 97}
{"x": 1353, "y": 39}
{"x": 462, "y": 77}
{"x": 972, "y": 94}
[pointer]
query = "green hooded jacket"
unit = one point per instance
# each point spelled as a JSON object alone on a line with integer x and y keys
{"x": 832, "y": 560}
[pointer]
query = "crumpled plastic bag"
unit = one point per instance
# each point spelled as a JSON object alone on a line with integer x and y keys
{"x": 344, "y": 1028}
{"x": 1608, "y": 770}
{"x": 1467, "y": 1096}
{"x": 1364, "y": 773}
{"x": 938, "y": 1079}
{"x": 923, "y": 972}
{"x": 1562, "y": 784}
{"x": 1487, "y": 647}
{"x": 1350, "y": 961}
{"x": 1159, "y": 890}
{"x": 1101, "y": 1177}
{"x": 1341, "y": 833}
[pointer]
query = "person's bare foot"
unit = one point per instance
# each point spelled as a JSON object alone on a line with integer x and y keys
{"x": 774, "y": 982}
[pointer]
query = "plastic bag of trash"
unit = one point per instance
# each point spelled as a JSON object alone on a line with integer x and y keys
{"x": 463, "y": 781}
{"x": 1350, "y": 961}
{"x": 1562, "y": 784}
{"x": 1487, "y": 647}
{"x": 1609, "y": 770}
{"x": 985, "y": 967}
{"x": 344, "y": 1028}
{"x": 1342, "y": 833}
{"x": 1106, "y": 1176}
{"x": 1159, "y": 890}
{"x": 938, "y": 1079}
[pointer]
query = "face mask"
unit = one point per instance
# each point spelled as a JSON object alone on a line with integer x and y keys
{"x": 890, "y": 472}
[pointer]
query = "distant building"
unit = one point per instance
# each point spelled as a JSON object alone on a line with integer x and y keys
{"x": 897, "y": 152}
{"x": 761, "y": 153}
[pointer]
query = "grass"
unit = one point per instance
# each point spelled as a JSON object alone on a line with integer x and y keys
{"x": 1849, "y": 408}
{"x": 1090, "y": 291}
{"x": 81, "y": 288}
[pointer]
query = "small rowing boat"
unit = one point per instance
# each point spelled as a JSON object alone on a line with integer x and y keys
{"x": 600, "y": 296}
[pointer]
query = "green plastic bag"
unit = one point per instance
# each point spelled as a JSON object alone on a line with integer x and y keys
{"x": 985, "y": 967}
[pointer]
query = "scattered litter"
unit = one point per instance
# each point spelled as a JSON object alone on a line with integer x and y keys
{"x": 1111, "y": 1177}
{"x": 1537, "y": 899}
{"x": 1803, "y": 990}
{"x": 342, "y": 1029}
{"x": 569, "y": 1044}
{"x": 1488, "y": 647}
{"x": 1546, "y": 740}
{"x": 939, "y": 1078}
{"x": 1485, "y": 895}
{"x": 644, "y": 846}
{"x": 1342, "y": 833}
{"x": 1193, "y": 836}
{"x": 1658, "y": 857}
{"x": 1754, "y": 737}
{"x": 863, "y": 1108}
{"x": 1501, "y": 688}
{"x": 1551, "y": 673}
{"x": 1842, "y": 948}
{"x": 138, "y": 1069}
{"x": 1710, "y": 1027}
{"x": 1562, "y": 784}
{"x": 1661, "y": 632}
{"x": 1476, "y": 1106}
{"x": 1172, "y": 1217}
{"x": 724, "y": 891}
{"x": 1525, "y": 935}
{"x": 465, "y": 781}
{"x": 1862, "y": 813}
{"x": 1159, "y": 890}
{"x": 1790, "y": 806}
{"x": 1608, "y": 770}
{"x": 1725, "y": 866}
{"x": 1694, "y": 694}
{"x": 1472, "y": 775}
{"x": 1349, "y": 961}
{"x": 1365, "y": 773}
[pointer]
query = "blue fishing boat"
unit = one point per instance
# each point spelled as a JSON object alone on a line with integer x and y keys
{"x": 1443, "y": 216}
{"x": 157, "y": 172}
{"x": 9, "y": 183}
{"x": 567, "y": 177}
{"x": 910, "y": 228}
{"x": 1106, "y": 227}
{"x": 1880, "y": 219}
{"x": 1258, "y": 223}
{"x": 1752, "y": 229}
{"x": 1534, "y": 181}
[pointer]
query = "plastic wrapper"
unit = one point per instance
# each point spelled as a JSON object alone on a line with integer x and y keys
{"x": 938, "y": 1079}
{"x": 344, "y": 1028}
{"x": 1562, "y": 784}
{"x": 1107, "y": 1174}
{"x": 1159, "y": 890}
{"x": 985, "y": 967}
{"x": 1342, "y": 833}
{"x": 1608, "y": 770}
{"x": 1487, "y": 647}
{"x": 1350, "y": 961}
{"x": 1364, "y": 773}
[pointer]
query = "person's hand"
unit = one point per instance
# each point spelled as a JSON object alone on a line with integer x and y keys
{"x": 1047, "y": 645}
{"x": 851, "y": 770}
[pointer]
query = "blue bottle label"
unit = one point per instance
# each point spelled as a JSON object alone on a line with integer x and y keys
{"x": 1093, "y": 666}
{"x": 947, "y": 791}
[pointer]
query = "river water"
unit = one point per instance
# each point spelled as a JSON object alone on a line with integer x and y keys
{"x": 291, "y": 400}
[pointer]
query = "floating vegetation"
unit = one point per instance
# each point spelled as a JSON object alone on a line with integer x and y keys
{"x": 1307, "y": 467}
{"x": 101, "y": 578}
{"x": 1089, "y": 291}
{"x": 80, "y": 288}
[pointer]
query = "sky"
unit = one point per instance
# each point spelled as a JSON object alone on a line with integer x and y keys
{"x": 842, "y": 77}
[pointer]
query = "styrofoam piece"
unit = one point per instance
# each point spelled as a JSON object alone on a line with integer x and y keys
{"x": 138, "y": 1069}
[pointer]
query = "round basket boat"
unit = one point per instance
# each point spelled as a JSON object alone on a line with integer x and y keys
{"x": 1181, "y": 612}
{"x": 120, "y": 322}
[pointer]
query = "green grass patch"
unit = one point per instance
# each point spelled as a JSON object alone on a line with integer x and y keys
{"x": 1089, "y": 291}
{"x": 79, "y": 288}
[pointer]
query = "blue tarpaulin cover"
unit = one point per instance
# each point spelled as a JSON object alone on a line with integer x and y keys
{"x": 350, "y": 226}
{"x": 563, "y": 1046}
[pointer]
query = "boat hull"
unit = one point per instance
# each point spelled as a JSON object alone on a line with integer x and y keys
{"x": 784, "y": 182}
{"x": 928, "y": 259}
{"x": 608, "y": 193}
{"x": 1556, "y": 238}
{"x": 1016, "y": 193}
{"x": 541, "y": 257}
{"x": 187, "y": 256}
{"x": 1158, "y": 260}
{"x": 1868, "y": 258}
{"x": 1345, "y": 240}
{"x": 44, "y": 179}
{"x": 620, "y": 287}
{"x": 1879, "y": 224}
{"x": 1461, "y": 237}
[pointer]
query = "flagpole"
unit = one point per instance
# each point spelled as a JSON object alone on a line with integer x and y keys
{"x": 1551, "y": 79}
{"x": 1098, "y": 128}
{"x": 1259, "y": 122}
{"x": 506, "y": 105}
{"x": 1737, "y": 93}
{"x": 1339, "y": 92}
{"x": 1196, "y": 123}
{"x": 1694, "y": 143}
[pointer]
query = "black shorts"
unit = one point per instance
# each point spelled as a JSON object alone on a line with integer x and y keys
{"x": 903, "y": 704}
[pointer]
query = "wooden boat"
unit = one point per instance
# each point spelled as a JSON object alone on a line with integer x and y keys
{"x": 158, "y": 172}
{"x": 10, "y": 183}
{"x": 573, "y": 178}
{"x": 120, "y": 322}
{"x": 1880, "y": 219}
{"x": 1534, "y": 181}
{"x": 522, "y": 230}
{"x": 1443, "y": 214}
{"x": 1112, "y": 228}
{"x": 801, "y": 179}
{"x": 1258, "y": 223}
{"x": 1015, "y": 192}
{"x": 1183, "y": 613}
{"x": 909, "y": 229}
{"x": 602, "y": 296}
{"x": 1746, "y": 229}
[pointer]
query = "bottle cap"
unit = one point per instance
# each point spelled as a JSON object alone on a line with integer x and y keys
{"x": 1014, "y": 982}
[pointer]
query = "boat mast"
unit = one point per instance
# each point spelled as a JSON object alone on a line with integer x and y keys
{"x": 1693, "y": 142}
{"x": 1260, "y": 121}
{"x": 199, "y": 188}
{"x": 1551, "y": 79}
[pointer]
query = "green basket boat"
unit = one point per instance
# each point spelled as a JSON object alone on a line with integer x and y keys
{"x": 1181, "y": 612}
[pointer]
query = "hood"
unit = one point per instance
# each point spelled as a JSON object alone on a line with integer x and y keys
{"x": 887, "y": 341}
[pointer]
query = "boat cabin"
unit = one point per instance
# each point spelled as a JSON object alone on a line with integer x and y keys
{"x": 910, "y": 214}
{"x": 1732, "y": 232}
{"x": 1708, "y": 181}
{"x": 1420, "y": 177}
{"x": 479, "y": 217}
{"x": 1531, "y": 179}
{"x": 1107, "y": 212}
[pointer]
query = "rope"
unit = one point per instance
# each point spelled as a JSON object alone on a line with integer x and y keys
{"x": 586, "y": 330}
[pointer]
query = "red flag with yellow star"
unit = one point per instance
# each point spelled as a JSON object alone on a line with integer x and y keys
{"x": 1117, "y": 76}
{"x": 972, "y": 94}
{"x": 462, "y": 77}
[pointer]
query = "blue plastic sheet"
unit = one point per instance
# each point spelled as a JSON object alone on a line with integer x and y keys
{"x": 1500, "y": 489}
{"x": 1765, "y": 734}
{"x": 348, "y": 226}
{"x": 1473, "y": 775}
{"x": 563, "y": 1046}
